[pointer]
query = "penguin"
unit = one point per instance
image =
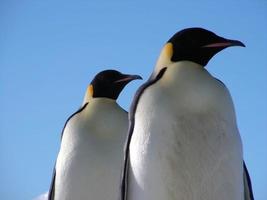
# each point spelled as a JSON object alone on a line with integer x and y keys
{"x": 183, "y": 140}
{"x": 90, "y": 158}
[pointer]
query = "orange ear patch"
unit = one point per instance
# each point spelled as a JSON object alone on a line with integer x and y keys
{"x": 90, "y": 90}
{"x": 168, "y": 50}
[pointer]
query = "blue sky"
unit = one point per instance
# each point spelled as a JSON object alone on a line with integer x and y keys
{"x": 50, "y": 51}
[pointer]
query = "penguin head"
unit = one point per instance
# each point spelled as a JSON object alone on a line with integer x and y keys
{"x": 194, "y": 44}
{"x": 198, "y": 45}
{"x": 109, "y": 84}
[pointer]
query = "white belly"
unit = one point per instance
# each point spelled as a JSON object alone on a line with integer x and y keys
{"x": 183, "y": 150}
{"x": 89, "y": 163}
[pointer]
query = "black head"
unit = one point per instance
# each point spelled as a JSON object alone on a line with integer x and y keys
{"x": 198, "y": 45}
{"x": 109, "y": 83}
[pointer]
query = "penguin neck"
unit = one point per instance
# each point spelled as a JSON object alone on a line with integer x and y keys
{"x": 185, "y": 70}
{"x": 187, "y": 82}
{"x": 163, "y": 61}
{"x": 100, "y": 106}
{"x": 102, "y": 114}
{"x": 87, "y": 97}
{"x": 102, "y": 100}
{"x": 195, "y": 89}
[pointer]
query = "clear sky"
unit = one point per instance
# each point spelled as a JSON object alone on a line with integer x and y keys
{"x": 50, "y": 50}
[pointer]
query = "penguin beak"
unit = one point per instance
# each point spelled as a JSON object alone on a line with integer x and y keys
{"x": 224, "y": 44}
{"x": 127, "y": 78}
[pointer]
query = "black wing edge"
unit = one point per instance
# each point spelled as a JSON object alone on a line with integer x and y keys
{"x": 78, "y": 111}
{"x": 124, "y": 176}
{"x": 51, "y": 192}
{"x": 247, "y": 184}
{"x": 220, "y": 81}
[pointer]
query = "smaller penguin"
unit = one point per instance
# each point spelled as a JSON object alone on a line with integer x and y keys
{"x": 90, "y": 159}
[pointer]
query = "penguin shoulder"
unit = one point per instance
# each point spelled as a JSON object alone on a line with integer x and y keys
{"x": 105, "y": 116}
{"x": 188, "y": 85}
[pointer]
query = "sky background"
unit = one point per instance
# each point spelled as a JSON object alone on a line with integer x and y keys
{"x": 50, "y": 50}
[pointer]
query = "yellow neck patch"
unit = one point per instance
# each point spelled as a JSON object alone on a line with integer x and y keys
{"x": 168, "y": 50}
{"x": 164, "y": 59}
{"x": 90, "y": 90}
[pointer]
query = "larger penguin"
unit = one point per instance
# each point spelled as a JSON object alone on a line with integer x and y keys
{"x": 90, "y": 158}
{"x": 183, "y": 141}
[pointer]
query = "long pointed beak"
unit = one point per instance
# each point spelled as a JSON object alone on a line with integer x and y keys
{"x": 128, "y": 78}
{"x": 236, "y": 43}
{"x": 224, "y": 44}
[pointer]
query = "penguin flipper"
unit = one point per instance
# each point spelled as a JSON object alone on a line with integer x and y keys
{"x": 248, "y": 192}
{"x": 124, "y": 177}
{"x": 51, "y": 192}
